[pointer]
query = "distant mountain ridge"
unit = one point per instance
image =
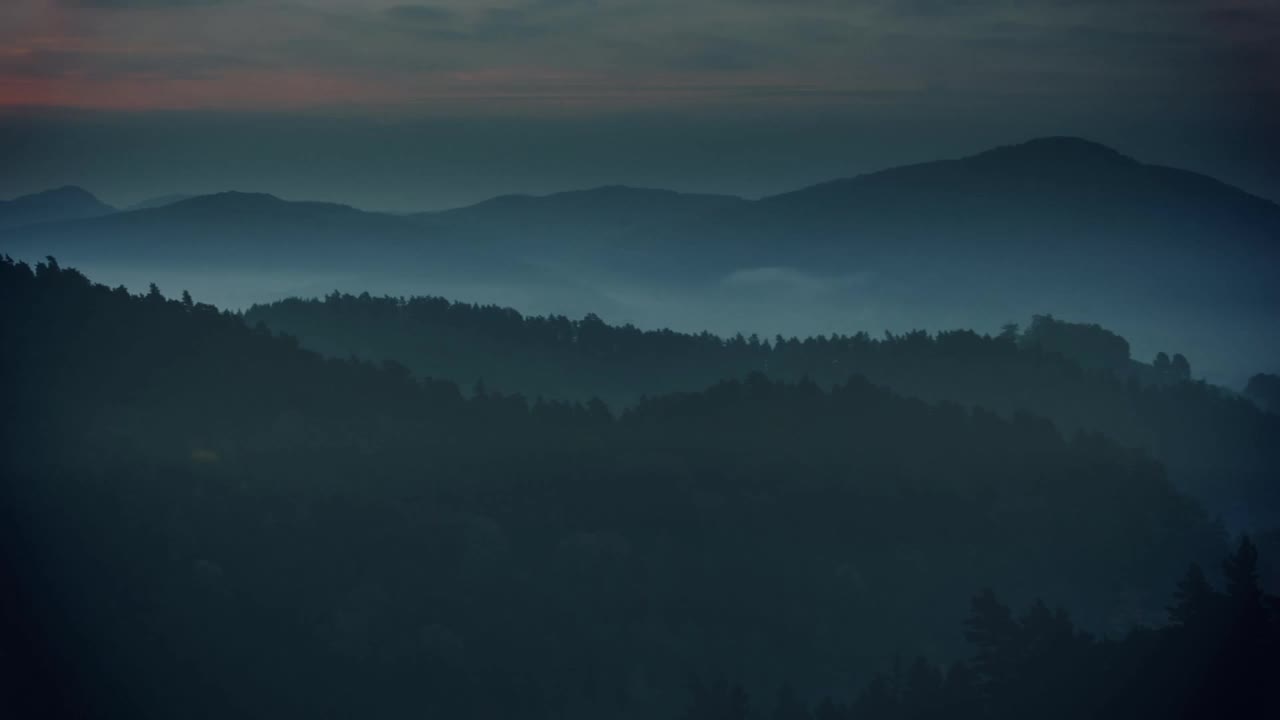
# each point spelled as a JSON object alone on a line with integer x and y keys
{"x": 1072, "y": 192}
{"x": 160, "y": 201}
{"x": 619, "y": 204}
{"x": 1055, "y": 163}
{"x": 616, "y": 196}
{"x": 1056, "y": 224}
{"x": 245, "y": 203}
{"x": 228, "y": 228}
{"x": 1089, "y": 189}
{"x": 65, "y": 203}
{"x": 1058, "y": 158}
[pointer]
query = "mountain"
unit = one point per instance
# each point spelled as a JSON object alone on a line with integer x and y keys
{"x": 230, "y": 229}
{"x": 1166, "y": 257}
{"x": 1048, "y": 198}
{"x": 1059, "y": 187}
{"x": 1070, "y": 187}
{"x": 1068, "y": 171}
{"x": 64, "y": 203}
{"x": 612, "y": 226}
{"x": 613, "y": 204}
{"x": 1042, "y": 202}
{"x": 160, "y": 201}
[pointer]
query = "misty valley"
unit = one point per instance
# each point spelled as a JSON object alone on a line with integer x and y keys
{"x": 995, "y": 437}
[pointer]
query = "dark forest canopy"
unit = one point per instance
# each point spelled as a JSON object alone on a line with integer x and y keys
{"x": 1216, "y": 443}
{"x": 1216, "y": 656}
{"x": 556, "y": 357}
{"x": 1264, "y": 389}
{"x": 329, "y": 536}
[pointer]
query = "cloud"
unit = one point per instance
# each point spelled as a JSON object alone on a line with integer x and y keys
{"x": 785, "y": 281}
{"x": 420, "y": 13}
{"x": 948, "y": 8}
{"x": 721, "y": 54}
{"x": 106, "y": 65}
{"x": 795, "y": 54}
{"x": 139, "y": 4}
{"x": 1250, "y": 19}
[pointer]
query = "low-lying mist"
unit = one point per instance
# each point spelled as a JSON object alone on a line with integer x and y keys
{"x": 1224, "y": 348}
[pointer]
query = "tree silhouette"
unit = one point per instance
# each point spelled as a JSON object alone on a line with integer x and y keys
{"x": 1217, "y": 657}
{"x": 321, "y": 535}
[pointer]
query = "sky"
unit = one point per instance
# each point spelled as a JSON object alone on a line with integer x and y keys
{"x": 397, "y": 106}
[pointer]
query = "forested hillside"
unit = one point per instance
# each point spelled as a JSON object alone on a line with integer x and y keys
{"x": 198, "y": 509}
{"x": 1055, "y": 224}
{"x": 1216, "y": 655}
{"x": 1217, "y": 444}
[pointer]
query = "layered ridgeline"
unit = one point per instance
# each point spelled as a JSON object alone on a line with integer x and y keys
{"x": 1220, "y": 446}
{"x": 1168, "y": 257}
{"x": 233, "y": 518}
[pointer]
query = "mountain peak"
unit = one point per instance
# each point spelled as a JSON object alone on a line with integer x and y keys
{"x": 1061, "y": 149}
{"x": 232, "y": 201}
{"x": 237, "y": 204}
{"x": 66, "y": 192}
{"x": 157, "y": 202}
{"x": 68, "y": 202}
{"x": 233, "y": 198}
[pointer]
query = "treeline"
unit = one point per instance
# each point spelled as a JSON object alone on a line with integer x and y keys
{"x": 1216, "y": 444}
{"x": 1216, "y": 656}
{"x": 198, "y": 509}
{"x": 1264, "y": 389}
{"x": 556, "y": 357}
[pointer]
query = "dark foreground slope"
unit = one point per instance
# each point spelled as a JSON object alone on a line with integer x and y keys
{"x": 1216, "y": 656}
{"x": 205, "y": 520}
{"x": 1218, "y": 445}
